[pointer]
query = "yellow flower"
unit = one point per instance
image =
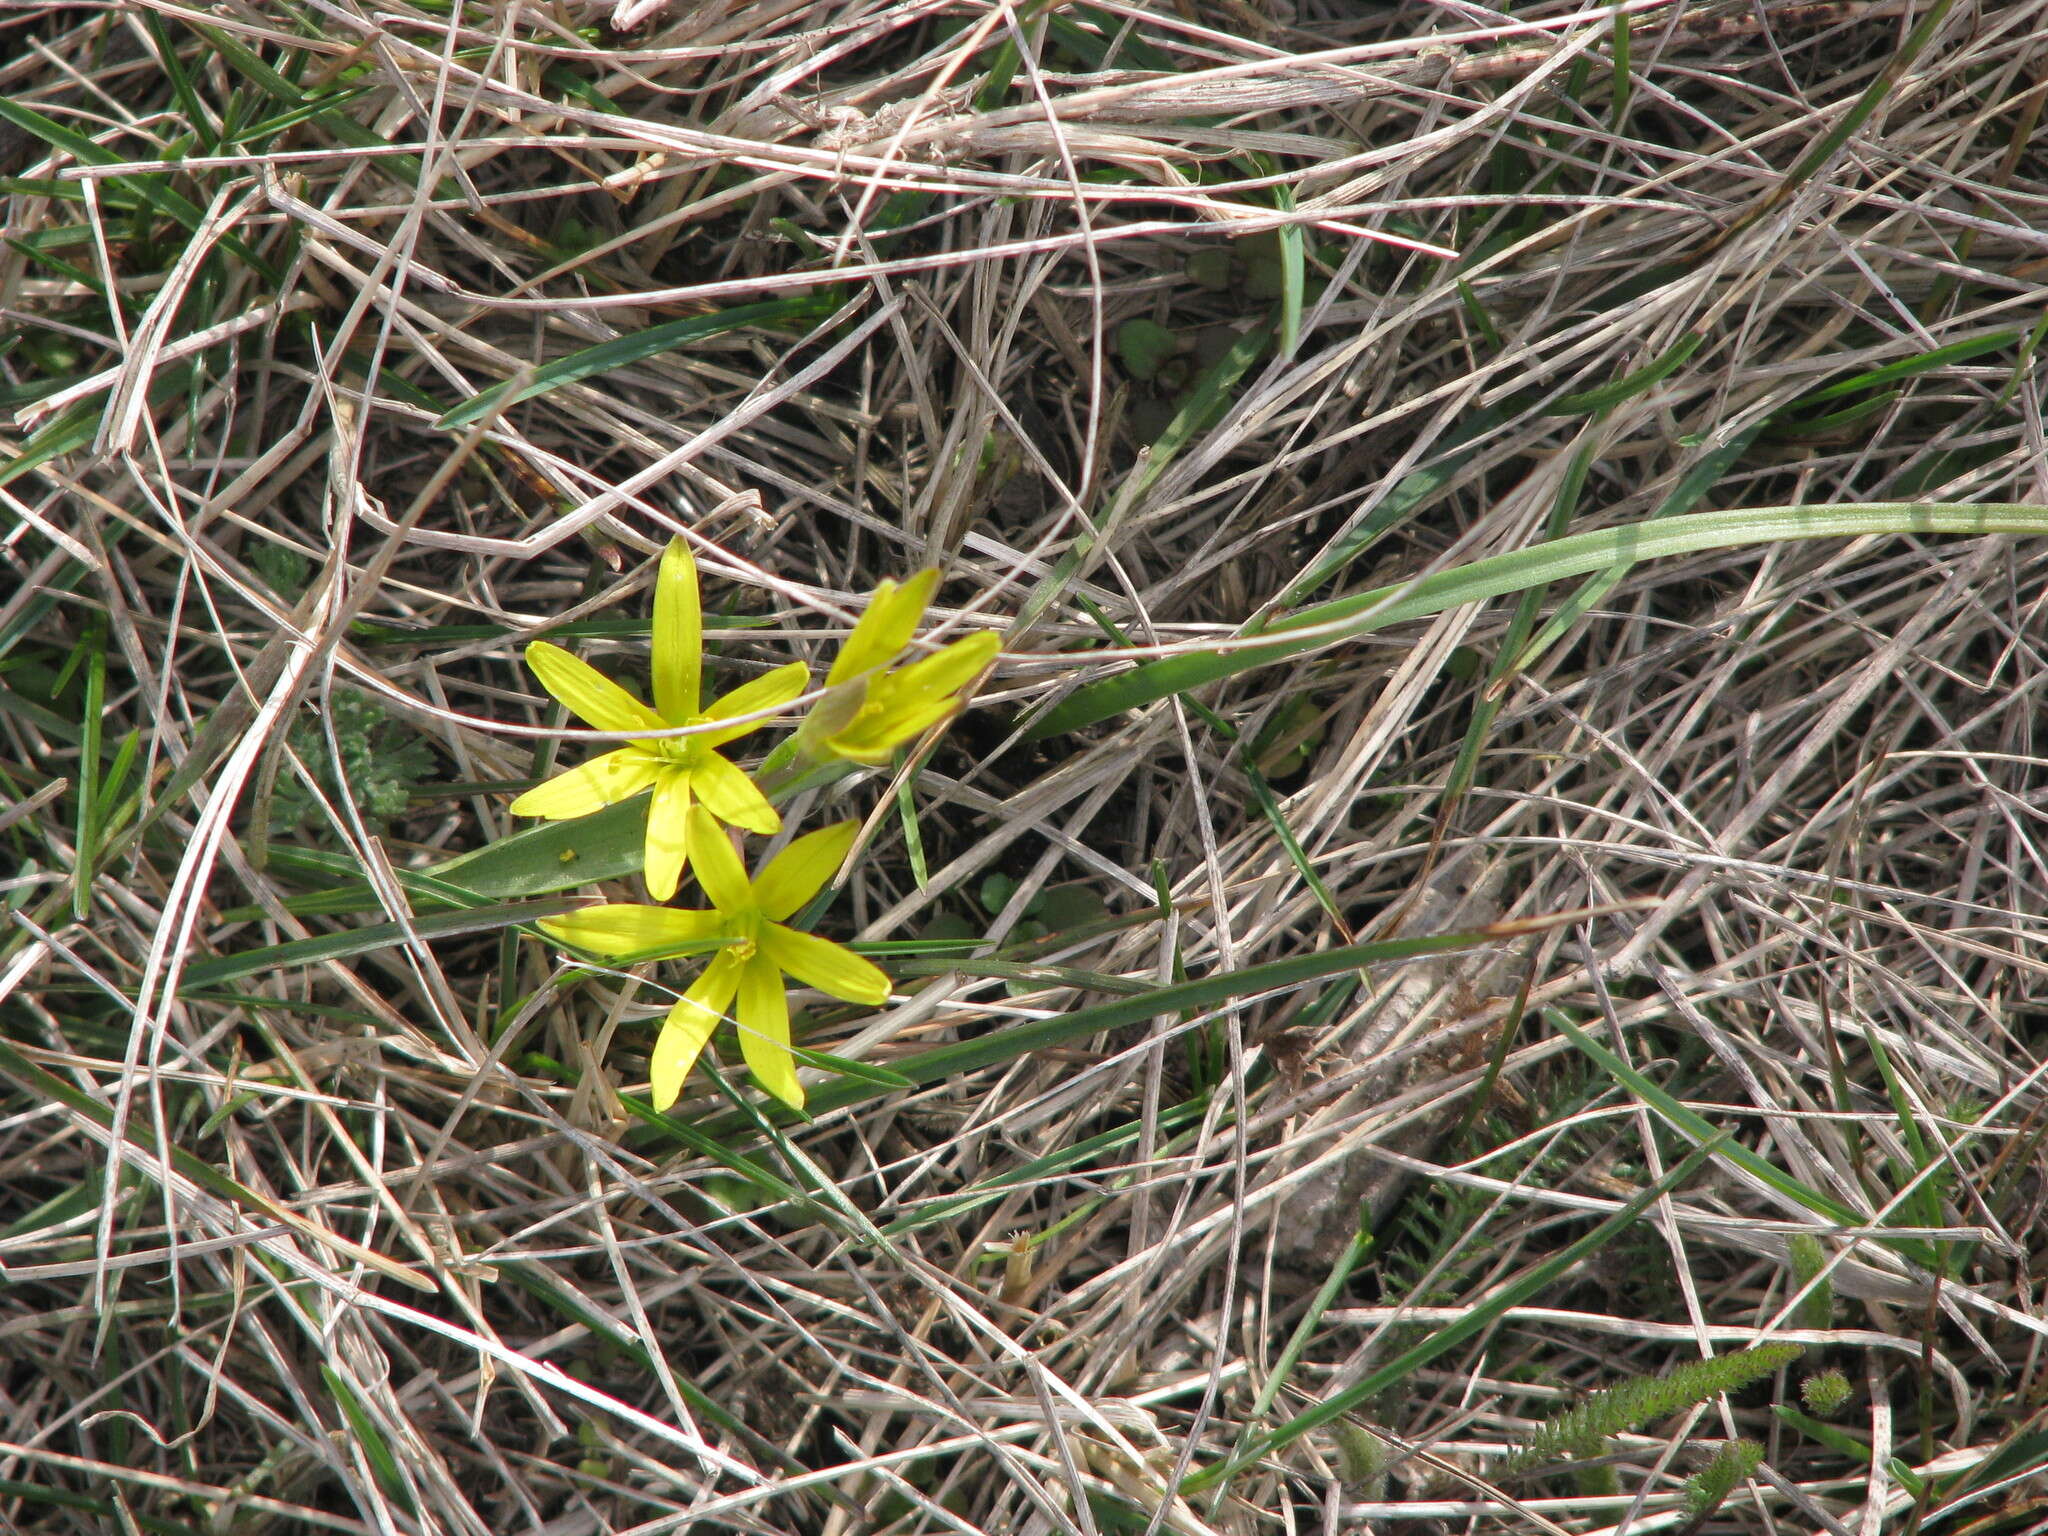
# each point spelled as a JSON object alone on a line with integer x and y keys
{"x": 755, "y": 948}
{"x": 870, "y": 710}
{"x": 684, "y": 771}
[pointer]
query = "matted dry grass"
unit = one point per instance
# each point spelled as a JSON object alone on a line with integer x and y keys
{"x": 455, "y": 1287}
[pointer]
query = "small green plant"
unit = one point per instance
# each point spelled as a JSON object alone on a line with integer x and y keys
{"x": 1707, "y": 1489}
{"x": 381, "y": 764}
{"x": 1583, "y": 1432}
{"x": 1826, "y": 1393}
{"x": 1809, "y": 1268}
{"x": 1362, "y": 1458}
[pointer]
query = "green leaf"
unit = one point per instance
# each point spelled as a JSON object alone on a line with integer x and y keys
{"x": 149, "y": 188}
{"x": 1008, "y": 1044}
{"x": 1692, "y": 487}
{"x": 846, "y": 1066}
{"x": 1416, "y": 489}
{"x": 555, "y": 856}
{"x": 1908, "y": 367}
{"x": 365, "y": 1434}
{"x": 1577, "y": 554}
{"x": 1143, "y": 346}
{"x": 1832, "y": 1436}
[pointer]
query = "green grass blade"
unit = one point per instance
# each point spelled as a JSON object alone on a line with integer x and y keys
{"x": 624, "y": 350}
{"x": 365, "y": 1433}
{"x": 913, "y": 840}
{"x": 1592, "y": 402}
{"x": 1833, "y": 1436}
{"x": 1910, "y": 367}
{"x": 90, "y": 796}
{"x": 362, "y": 941}
{"x": 174, "y": 206}
{"x": 1577, "y": 554}
{"x": 1692, "y": 487}
{"x": 1304, "y": 1331}
{"x": 1513, "y": 644}
{"x": 1849, "y": 123}
{"x": 1206, "y": 402}
{"x": 1007, "y": 1044}
{"x": 1696, "y": 1128}
{"x": 1416, "y": 489}
{"x": 1925, "y": 1200}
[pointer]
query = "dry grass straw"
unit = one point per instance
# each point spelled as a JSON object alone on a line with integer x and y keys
{"x": 447, "y": 1292}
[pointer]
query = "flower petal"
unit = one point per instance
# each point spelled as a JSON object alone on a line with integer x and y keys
{"x": 718, "y": 868}
{"x": 827, "y": 966}
{"x": 763, "y": 1017}
{"x": 589, "y": 786}
{"x": 948, "y": 669}
{"x": 797, "y": 873}
{"x": 624, "y": 928}
{"x": 885, "y": 628}
{"x": 688, "y": 1026}
{"x": 879, "y": 732}
{"x": 678, "y": 636}
{"x": 763, "y": 692}
{"x": 595, "y": 699}
{"x": 732, "y": 797}
{"x": 668, "y": 834}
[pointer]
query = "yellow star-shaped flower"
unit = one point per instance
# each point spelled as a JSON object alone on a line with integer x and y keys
{"x": 684, "y": 771}
{"x": 755, "y": 947}
{"x": 871, "y": 707}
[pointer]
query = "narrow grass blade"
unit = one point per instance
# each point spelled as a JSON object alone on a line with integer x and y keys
{"x": 1925, "y": 1200}
{"x": 174, "y": 206}
{"x": 1695, "y": 1126}
{"x": 363, "y": 1428}
{"x": 1692, "y": 487}
{"x": 1513, "y": 644}
{"x": 90, "y": 797}
{"x": 913, "y": 841}
{"x": 362, "y": 941}
{"x": 1206, "y": 402}
{"x": 1576, "y": 554}
{"x": 1910, "y": 367}
{"x": 1592, "y": 402}
{"x": 1833, "y": 1436}
{"x": 1849, "y": 123}
{"x": 1007, "y": 1044}
{"x": 1416, "y": 489}
{"x": 1304, "y": 1331}
{"x": 624, "y": 350}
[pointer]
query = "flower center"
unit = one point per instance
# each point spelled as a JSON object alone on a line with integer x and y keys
{"x": 744, "y": 937}
{"x": 683, "y": 751}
